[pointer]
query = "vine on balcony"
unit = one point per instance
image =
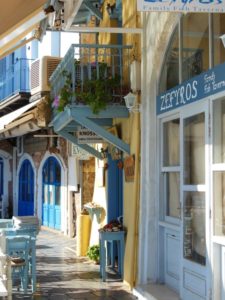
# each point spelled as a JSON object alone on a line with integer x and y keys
{"x": 95, "y": 92}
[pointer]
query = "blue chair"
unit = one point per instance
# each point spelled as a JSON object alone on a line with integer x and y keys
{"x": 30, "y": 233}
{"x": 18, "y": 247}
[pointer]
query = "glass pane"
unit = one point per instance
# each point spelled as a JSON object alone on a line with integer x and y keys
{"x": 194, "y": 227}
{"x": 171, "y": 143}
{"x": 57, "y": 173}
{"x": 194, "y": 149}
{"x": 51, "y": 171}
{"x": 51, "y": 194}
{"x": 219, "y": 202}
{"x": 219, "y": 131}
{"x": 172, "y": 194}
{"x": 57, "y": 195}
{"x": 218, "y": 30}
{"x": 45, "y": 200}
{"x": 195, "y": 56}
{"x": 170, "y": 70}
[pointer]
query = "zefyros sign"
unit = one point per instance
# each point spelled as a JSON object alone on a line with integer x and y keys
{"x": 207, "y": 6}
{"x": 195, "y": 89}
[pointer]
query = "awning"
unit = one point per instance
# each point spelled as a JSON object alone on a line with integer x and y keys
{"x": 5, "y": 120}
{"x": 17, "y": 19}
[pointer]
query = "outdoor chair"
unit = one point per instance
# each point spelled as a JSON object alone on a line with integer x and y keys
{"x": 29, "y": 233}
{"x": 18, "y": 247}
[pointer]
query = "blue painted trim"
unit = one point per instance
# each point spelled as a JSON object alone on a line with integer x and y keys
{"x": 102, "y": 132}
{"x": 84, "y": 116}
{"x": 204, "y": 85}
{"x": 93, "y": 10}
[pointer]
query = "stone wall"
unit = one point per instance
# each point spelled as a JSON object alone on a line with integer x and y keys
{"x": 88, "y": 179}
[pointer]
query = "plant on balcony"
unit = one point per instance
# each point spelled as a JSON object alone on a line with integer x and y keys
{"x": 98, "y": 90}
{"x": 95, "y": 92}
{"x": 65, "y": 94}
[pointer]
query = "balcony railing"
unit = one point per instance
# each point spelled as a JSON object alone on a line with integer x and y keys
{"x": 15, "y": 79}
{"x": 89, "y": 72}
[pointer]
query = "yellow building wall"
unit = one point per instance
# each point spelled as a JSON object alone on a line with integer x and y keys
{"x": 130, "y": 133}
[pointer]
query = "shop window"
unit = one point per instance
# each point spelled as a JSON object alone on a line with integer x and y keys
{"x": 195, "y": 52}
{"x": 171, "y": 143}
{"x": 194, "y": 149}
{"x": 171, "y": 168}
{"x": 219, "y": 131}
{"x": 219, "y": 202}
{"x": 218, "y": 30}
{"x": 170, "y": 70}
{"x": 194, "y": 227}
{"x": 219, "y": 166}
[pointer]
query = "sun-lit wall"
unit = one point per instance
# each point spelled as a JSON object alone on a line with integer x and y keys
{"x": 130, "y": 134}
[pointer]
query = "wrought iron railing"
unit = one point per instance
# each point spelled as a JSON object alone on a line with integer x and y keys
{"x": 15, "y": 79}
{"x": 92, "y": 70}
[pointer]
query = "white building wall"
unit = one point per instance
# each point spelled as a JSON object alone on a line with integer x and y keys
{"x": 157, "y": 30}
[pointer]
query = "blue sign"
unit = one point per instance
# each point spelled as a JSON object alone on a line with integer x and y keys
{"x": 195, "y": 89}
{"x": 182, "y": 5}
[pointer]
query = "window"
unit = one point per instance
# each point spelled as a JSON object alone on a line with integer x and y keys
{"x": 194, "y": 149}
{"x": 219, "y": 166}
{"x": 171, "y": 168}
{"x": 190, "y": 52}
{"x": 194, "y": 227}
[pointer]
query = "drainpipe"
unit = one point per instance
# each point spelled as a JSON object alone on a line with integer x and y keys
{"x": 14, "y": 183}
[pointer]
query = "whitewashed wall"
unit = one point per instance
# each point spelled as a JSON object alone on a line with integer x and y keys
{"x": 157, "y": 29}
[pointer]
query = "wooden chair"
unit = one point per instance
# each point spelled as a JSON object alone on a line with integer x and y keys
{"x": 18, "y": 247}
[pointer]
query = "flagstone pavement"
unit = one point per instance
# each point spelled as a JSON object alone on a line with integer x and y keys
{"x": 61, "y": 275}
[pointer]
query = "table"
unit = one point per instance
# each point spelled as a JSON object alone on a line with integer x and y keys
{"x": 111, "y": 236}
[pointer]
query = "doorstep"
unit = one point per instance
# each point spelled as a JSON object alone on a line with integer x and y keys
{"x": 155, "y": 292}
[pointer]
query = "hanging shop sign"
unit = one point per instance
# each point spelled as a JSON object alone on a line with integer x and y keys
{"x": 207, "y": 6}
{"x": 195, "y": 89}
{"x": 86, "y": 136}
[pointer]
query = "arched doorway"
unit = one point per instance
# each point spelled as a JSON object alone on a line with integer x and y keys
{"x": 51, "y": 193}
{"x": 26, "y": 189}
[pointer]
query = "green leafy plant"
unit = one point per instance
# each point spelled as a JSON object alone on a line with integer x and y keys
{"x": 94, "y": 253}
{"x": 65, "y": 95}
{"x": 97, "y": 92}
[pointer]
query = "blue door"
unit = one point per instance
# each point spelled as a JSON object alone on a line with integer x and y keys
{"x": 51, "y": 212}
{"x": 115, "y": 190}
{"x": 26, "y": 189}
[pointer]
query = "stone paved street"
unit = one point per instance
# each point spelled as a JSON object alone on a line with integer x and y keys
{"x": 61, "y": 275}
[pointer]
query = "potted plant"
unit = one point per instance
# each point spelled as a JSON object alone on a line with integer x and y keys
{"x": 93, "y": 253}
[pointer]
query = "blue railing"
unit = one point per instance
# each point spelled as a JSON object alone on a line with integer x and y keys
{"x": 85, "y": 65}
{"x": 15, "y": 79}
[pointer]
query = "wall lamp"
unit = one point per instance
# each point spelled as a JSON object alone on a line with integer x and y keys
{"x": 131, "y": 103}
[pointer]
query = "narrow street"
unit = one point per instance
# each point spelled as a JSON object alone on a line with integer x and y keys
{"x": 61, "y": 275}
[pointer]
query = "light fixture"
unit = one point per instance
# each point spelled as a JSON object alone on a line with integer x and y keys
{"x": 130, "y": 101}
{"x": 222, "y": 37}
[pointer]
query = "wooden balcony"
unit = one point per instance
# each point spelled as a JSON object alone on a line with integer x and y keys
{"x": 88, "y": 88}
